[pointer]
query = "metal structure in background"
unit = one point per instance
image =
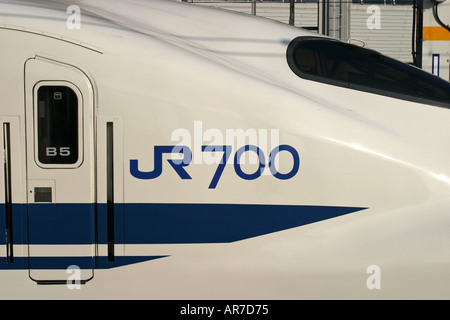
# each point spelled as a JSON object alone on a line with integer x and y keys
{"x": 341, "y": 19}
{"x": 292, "y": 12}
{"x": 412, "y": 31}
{"x": 334, "y": 18}
{"x": 432, "y": 37}
{"x": 417, "y": 33}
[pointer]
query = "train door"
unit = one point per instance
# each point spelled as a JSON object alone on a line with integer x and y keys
{"x": 60, "y": 172}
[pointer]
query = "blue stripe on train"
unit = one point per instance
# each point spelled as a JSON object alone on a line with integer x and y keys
{"x": 160, "y": 223}
{"x": 217, "y": 223}
{"x": 61, "y": 263}
{"x": 50, "y": 224}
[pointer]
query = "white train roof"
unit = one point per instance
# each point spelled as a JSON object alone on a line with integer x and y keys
{"x": 236, "y": 39}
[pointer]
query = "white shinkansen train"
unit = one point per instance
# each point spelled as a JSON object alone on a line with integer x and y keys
{"x": 159, "y": 150}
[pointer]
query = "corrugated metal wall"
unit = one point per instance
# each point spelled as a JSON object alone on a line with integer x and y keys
{"x": 393, "y": 37}
{"x": 305, "y": 13}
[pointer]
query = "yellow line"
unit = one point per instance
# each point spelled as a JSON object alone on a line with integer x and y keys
{"x": 436, "y": 34}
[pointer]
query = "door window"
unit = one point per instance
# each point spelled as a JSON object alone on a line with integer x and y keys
{"x": 57, "y": 124}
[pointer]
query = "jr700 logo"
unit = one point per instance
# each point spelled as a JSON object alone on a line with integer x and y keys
{"x": 179, "y": 165}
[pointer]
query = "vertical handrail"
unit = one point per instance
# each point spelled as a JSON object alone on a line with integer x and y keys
{"x": 110, "y": 188}
{"x": 8, "y": 191}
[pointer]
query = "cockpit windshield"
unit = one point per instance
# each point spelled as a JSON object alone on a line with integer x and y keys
{"x": 342, "y": 64}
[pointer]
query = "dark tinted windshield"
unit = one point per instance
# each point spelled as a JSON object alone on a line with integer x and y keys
{"x": 338, "y": 63}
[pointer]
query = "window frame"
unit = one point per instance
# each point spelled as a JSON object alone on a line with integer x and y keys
{"x": 291, "y": 59}
{"x": 77, "y": 92}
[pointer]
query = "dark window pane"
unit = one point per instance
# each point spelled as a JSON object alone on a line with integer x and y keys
{"x": 351, "y": 66}
{"x": 57, "y": 125}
